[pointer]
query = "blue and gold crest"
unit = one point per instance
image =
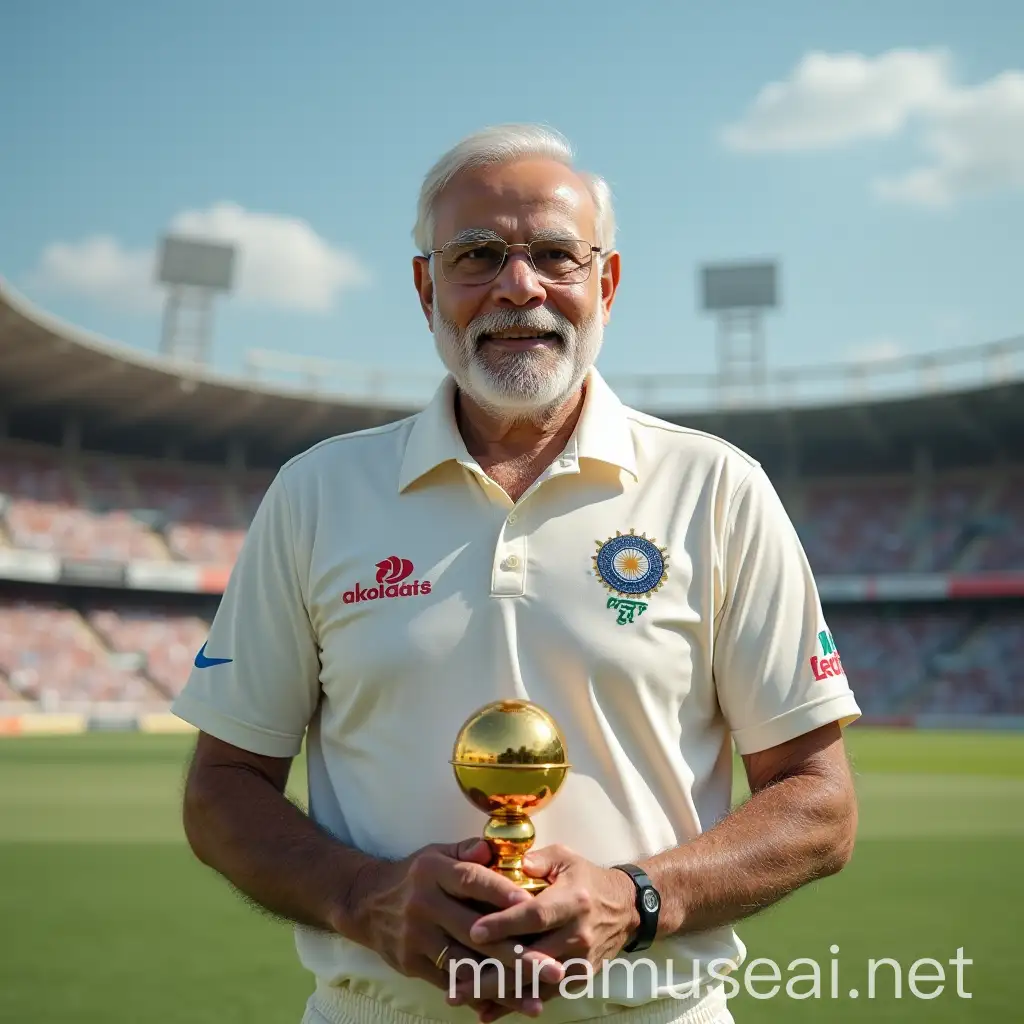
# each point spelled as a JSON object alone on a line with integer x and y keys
{"x": 630, "y": 566}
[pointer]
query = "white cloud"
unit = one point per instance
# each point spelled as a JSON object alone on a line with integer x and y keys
{"x": 973, "y": 136}
{"x": 281, "y": 263}
{"x": 976, "y": 141}
{"x": 881, "y": 350}
{"x": 100, "y": 268}
{"x": 834, "y": 99}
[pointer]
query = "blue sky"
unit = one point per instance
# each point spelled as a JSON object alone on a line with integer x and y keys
{"x": 884, "y": 168}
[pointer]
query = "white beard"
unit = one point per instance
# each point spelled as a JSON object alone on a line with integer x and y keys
{"x": 520, "y": 385}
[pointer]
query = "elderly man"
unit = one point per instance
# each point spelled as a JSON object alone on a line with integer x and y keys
{"x": 525, "y": 535}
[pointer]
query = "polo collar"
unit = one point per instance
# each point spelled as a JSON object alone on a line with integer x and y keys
{"x": 602, "y": 433}
{"x": 434, "y": 438}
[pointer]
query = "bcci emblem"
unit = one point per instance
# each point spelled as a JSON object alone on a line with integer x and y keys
{"x": 630, "y": 566}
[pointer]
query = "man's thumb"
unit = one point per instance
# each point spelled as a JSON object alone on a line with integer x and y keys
{"x": 475, "y": 849}
{"x": 540, "y": 863}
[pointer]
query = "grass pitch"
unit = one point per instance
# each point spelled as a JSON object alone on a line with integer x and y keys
{"x": 106, "y": 917}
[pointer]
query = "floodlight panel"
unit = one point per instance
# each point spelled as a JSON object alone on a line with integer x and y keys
{"x": 197, "y": 263}
{"x": 740, "y": 286}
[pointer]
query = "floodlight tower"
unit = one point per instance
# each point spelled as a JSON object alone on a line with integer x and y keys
{"x": 194, "y": 271}
{"x": 739, "y": 293}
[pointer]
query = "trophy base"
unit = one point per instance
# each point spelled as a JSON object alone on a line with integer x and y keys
{"x": 534, "y": 885}
{"x": 526, "y": 882}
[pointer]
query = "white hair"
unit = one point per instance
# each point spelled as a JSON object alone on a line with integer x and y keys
{"x": 504, "y": 144}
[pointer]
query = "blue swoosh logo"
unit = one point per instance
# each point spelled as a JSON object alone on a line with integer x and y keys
{"x": 202, "y": 661}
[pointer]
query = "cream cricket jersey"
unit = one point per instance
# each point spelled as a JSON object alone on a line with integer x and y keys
{"x": 649, "y": 591}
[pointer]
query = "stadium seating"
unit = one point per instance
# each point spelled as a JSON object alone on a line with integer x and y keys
{"x": 111, "y": 509}
{"x": 167, "y": 640}
{"x": 951, "y": 660}
{"x": 107, "y": 508}
{"x": 131, "y": 649}
{"x": 861, "y": 527}
{"x": 887, "y": 655}
{"x": 46, "y": 508}
{"x": 50, "y": 656}
{"x": 7, "y": 694}
{"x": 984, "y": 676}
{"x": 958, "y": 522}
{"x": 1004, "y": 523}
{"x": 205, "y": 519}
{"x": 947, "y": 661}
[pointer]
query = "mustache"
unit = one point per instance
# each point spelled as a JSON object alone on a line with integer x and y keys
{"x": 541, "y": 320}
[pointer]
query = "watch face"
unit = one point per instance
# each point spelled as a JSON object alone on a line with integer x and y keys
{"x": 651, "y": 901}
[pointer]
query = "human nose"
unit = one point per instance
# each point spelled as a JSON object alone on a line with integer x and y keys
{"x": 518, "y": 283}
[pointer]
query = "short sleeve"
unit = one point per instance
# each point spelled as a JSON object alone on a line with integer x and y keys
{"x": 777, "y": 671}
{"x": 256, "y": 681}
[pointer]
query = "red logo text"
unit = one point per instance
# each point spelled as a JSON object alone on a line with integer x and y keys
{"x": 824, "y": 668}
{"x": 390, "y": 575}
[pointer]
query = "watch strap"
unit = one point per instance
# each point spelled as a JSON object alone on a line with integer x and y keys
{"x": 648, "y": 905}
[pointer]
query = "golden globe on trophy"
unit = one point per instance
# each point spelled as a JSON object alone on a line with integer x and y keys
{"x": 509, "y": 761}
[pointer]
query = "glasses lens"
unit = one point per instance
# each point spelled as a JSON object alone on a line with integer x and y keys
{"x": 472, "y": 262}
{"x": 566, "y": 260}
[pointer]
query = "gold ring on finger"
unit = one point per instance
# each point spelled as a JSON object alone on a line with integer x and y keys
{"x": 439, "y": 959}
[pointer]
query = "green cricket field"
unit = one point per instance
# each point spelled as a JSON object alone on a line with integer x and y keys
{"x": 105, "y": 916}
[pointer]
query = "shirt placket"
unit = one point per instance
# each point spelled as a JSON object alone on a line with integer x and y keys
{"x": 510, "y": 562}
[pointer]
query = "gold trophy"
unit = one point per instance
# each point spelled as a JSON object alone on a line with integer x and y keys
{"x": 509, "y": 761}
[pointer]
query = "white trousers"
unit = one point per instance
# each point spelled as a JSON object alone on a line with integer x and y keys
{"x": 338, "y": 1006}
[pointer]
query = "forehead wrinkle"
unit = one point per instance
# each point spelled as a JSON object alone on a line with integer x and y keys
{"x": 514, "y": 205}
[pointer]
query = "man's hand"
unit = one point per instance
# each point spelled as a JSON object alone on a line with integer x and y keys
{"x": 588, "y": 913}
{"x": 410, "y": 910}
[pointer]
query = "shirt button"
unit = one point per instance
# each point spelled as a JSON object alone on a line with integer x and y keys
{"x": 512, "y": 561}
{"x": 512, "y": 517}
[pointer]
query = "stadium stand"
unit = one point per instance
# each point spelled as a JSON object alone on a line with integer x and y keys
{"x": 7, "y": 695}
{"x": 45, "y": 508}
{"x": 103, "y": 507}
{"x": 889, "y": 654}
{"x": 110, "y": 508}
{"x": 1003, "y": 519}
{"x": 49, "y": 655}
{"x": 944, "y": 660}
{"x": 165, "y": 640}
{"x": 127, "y": 484}
{"x": 982, "y": 677}
{"x": 954, "y": 521}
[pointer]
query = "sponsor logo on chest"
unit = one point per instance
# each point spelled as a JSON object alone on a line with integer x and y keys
{"x": 392, "y": 581}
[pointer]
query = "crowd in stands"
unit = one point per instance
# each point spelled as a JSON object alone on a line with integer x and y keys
{"x": 965, "y": 523}
{"x": 900, "y": 662}
{"x": 106, "y": 508}
{"x": 985, "y": 674}
{"x": 166, "y": 640}
{"x": 954, "y": 660}
{"x": 49, "y": 655}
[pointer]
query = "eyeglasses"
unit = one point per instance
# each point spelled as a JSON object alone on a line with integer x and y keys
{"x": 555, "y": 260}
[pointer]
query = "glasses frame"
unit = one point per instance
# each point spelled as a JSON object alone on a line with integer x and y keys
{"x": 528, "y": 246}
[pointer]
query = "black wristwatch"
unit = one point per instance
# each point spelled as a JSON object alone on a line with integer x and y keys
{"x": 648, "y": 905}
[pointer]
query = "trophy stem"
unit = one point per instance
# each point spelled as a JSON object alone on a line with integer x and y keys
{"x": 510, "y": 835}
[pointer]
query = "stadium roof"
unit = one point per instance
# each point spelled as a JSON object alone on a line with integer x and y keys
{"x": 121, "y": 399}
{"x": 51, "y": 369}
